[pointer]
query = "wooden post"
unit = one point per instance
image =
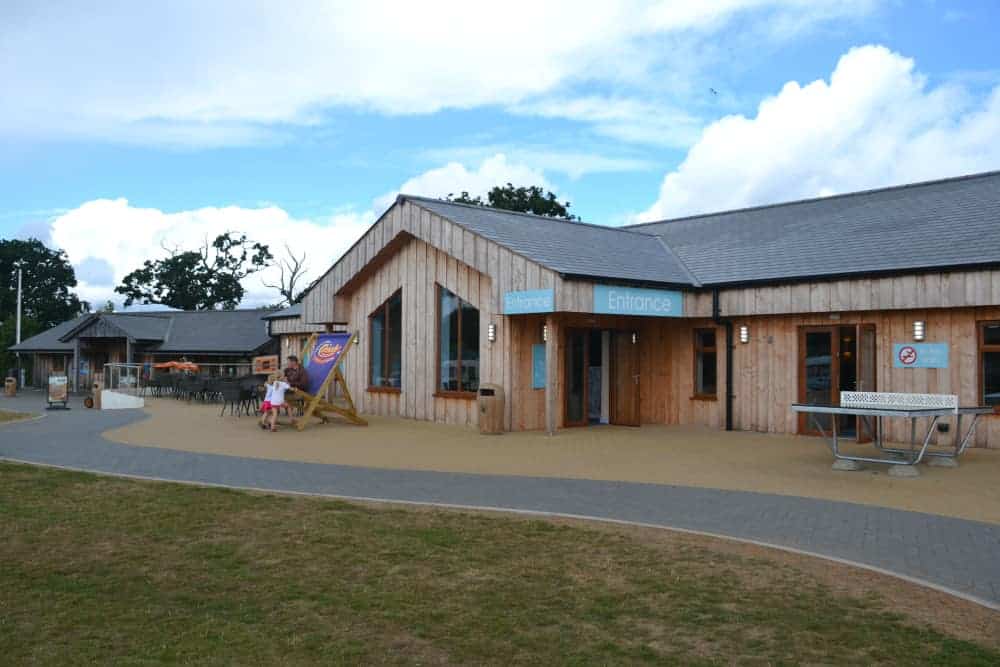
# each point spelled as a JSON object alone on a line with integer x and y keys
{"x": 552, "y": 379}
{"x": 76, "y": 365}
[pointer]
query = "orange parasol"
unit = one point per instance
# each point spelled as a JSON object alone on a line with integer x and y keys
{"x": 178, "y": 365}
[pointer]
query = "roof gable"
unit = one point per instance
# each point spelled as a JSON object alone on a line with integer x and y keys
{"x": 573, "y": 249}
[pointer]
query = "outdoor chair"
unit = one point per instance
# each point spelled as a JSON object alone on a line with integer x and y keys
{"x": 233, "y": 398}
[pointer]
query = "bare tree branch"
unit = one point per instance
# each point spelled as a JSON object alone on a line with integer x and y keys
{"x": 291, "y": 270}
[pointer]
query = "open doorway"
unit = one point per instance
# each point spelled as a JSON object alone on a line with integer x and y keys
{"x": 601, "y": 378}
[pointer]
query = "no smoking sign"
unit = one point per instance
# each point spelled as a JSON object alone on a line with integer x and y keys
{"x": 907, "y": 355}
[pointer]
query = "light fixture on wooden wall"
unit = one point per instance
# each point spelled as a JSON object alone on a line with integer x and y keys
{"x": 491, "y": 332}
{"x": 635, "y": 337}
{"x": 545, "y": 333}
{"x": 744, "y": 334}
{"x": 919, "y": 330}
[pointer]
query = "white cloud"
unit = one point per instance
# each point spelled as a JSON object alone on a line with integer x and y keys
{"x": 875, "y": 123}
{"x": 573, "y": 163}
{"x": 105, "y": 239}
{"x": 454, "y": 178}
{"x": 228, "y": 72}
{"x": 117, "y": 237}
{"x": 624, "y": 119}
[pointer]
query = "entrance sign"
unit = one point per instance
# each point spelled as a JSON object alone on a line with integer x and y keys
{"x": 538, "y": 366}
{"x": 529, "y": 301}
{"x": 920, "y": 355}
{"x": 612, "y": 300}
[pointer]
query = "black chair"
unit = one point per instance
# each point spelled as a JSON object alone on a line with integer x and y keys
{"x": 232, "y": 397}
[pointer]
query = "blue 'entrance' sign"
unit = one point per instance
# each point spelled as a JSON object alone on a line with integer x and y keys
{"x": 612, "y": 300}
{"x": 529, "y": 301}
{"x": 920, "y": 355}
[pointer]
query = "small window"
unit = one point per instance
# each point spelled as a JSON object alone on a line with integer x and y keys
{"x": 989, "y": 363}
{"x": 705, "y": 385}
{"x": 458, "y": 344}
{"x": 386, "y": 335}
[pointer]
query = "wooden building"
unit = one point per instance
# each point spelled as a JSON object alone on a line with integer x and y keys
{"x": 81, "y": 347}
{"x": 292, "y": 333}
{"x": 721, "y": 320}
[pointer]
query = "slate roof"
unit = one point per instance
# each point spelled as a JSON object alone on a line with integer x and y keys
{"x": 569, "y": 248}
{"x": 205, "y": 332}
{"x": 948, "y": 223}
{"x": 217, "y": 331}
{"x": 147, "y": 326}
{"x": 48, "y": 340}
{"x": 295, "y": 310}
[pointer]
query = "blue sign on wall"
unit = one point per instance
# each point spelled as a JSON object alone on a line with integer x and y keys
{"x": 538, "y": 366}
{"x": 920, "y": 355}
{"x": 612, "y": 300}
{"x": 529, "y": 301}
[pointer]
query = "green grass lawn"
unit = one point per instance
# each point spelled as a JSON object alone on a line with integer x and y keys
{"x": 8, "y": 416}
{"x": 95, "y": 569}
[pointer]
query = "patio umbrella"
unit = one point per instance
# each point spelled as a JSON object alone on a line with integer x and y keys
{"x": 178, "y": 365}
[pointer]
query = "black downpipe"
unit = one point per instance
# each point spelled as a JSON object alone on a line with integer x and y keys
{"x": 718, "y": 319}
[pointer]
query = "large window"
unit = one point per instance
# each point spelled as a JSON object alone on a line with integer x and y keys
{"x": 386, "y": 334}
{"x": 458, "y": 344}
{"x": 705, "y": 384}
{"x": 989, "y": 363}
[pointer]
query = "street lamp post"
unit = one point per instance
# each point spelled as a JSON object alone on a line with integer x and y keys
{"x": 17, "y": 329}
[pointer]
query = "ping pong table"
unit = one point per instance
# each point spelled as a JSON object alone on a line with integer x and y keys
{"x": 872, "y": 407}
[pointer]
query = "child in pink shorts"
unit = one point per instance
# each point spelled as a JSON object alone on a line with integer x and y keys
{"x": 274, "y": 400}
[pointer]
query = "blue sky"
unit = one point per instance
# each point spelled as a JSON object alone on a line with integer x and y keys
{"x": 128, "y": 130}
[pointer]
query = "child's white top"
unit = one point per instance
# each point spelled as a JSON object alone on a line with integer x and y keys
{"x": 270, "y": 391}
{"x": 278, "y": 390}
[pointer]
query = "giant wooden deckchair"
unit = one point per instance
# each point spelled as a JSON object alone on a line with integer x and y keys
{"x": 322, "y": 358}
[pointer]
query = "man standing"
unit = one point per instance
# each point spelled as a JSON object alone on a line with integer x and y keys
{"x": 295, "y": 375}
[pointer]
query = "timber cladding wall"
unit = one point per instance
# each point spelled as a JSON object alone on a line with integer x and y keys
{"x": 766, "y": 370}
{"x": 413, "y": 249}
{"x": 417, "y": 269}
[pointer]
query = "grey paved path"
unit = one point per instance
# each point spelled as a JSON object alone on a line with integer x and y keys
{"x": 957, "y": 554}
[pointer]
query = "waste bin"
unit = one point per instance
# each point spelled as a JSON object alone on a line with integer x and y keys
{"x": 96, "y": 395}
{"x": 10, "y": 387}
{"x": 491, "y": 409}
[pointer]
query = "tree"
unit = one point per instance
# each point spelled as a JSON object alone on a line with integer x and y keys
{"x": 291, "y": 269}
{"x": 532, "y": 199}
{"x": 46, "y": 284}
{"x": 202, "y": 279}
{"x": 108, "y": 307}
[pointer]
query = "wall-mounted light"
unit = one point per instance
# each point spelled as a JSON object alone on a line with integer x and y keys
{"x": 491, "y": 332}
{"x": 744, "y": 334}
{"x": 545, "y": 333}
{"x": 635, "y": 337}
{"x": 357, "y": 339}
{"x": 918, "y": 330}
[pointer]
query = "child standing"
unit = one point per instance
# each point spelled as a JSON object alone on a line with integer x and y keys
{"x": 274, "y": 400}
{"x": 265, "y": 407}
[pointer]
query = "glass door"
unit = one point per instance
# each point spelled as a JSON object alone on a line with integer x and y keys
{"x": 832, "y": 360}
{"x": 816, "y": 374}
{"x": 576, "y": 378}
